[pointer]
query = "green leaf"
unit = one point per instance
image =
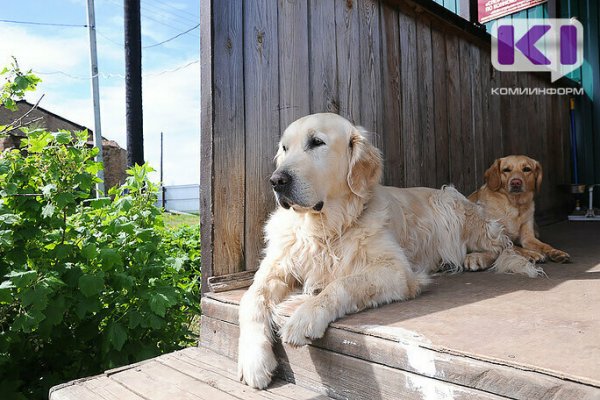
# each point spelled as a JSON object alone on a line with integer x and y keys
{"x": 87, "y": 305}
{"x": 92, "y": 284}
{"x": 63, "y": 137}
{"x": 93, "y": 168}
{"x": 36, "y": 297}
{"x": 4, "y": 165}
{"x": 63, "y": 199}
{"x": 158, "y": 303}
{"x": 161, "y": 299}
{"x": 135, "y": 319}
{"x": 100, "y": 203}
{"x": 48, "y": 210}
{"x": 117, "y": 335}
{"x": 22, "y": 279}
{"x": 6, "y": 294}
{"x": 28, "y": 321}
{"x": 110, "y": 258}
{"x": 90, "y": 251}
{"x": 37, "y": 143}
{"x": 55, "y": 313}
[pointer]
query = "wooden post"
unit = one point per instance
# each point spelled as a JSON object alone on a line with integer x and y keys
{"x": 133, "y": 83}
{"x": 206, "y": 142}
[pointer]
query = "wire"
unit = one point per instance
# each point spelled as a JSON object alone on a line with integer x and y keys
{"x": 153, "y": 9}
{"x": 171, "y": 38}
{"x": 110, "y": 75}
{"x": 196, "y": 16}
{"x": 41, "y": 23}
{"x": 109, "y": 39}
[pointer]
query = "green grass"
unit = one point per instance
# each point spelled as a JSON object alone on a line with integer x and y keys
{"x": 176, "y": 220}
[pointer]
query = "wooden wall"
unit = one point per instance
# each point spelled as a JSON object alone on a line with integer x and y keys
{"x": 417, "y": 80}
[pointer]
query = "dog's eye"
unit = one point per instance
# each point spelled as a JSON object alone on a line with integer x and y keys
{"x": 526, "y": 169}
{"x": 284, "y": 148}
{"x": 315, "y": 142}
{"x": 506, "y": 170}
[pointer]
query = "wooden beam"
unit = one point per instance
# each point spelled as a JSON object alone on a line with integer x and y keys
{"x": 206, "y": 142}
{"x": 224, "y": 283}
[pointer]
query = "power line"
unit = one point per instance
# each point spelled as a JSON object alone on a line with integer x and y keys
{"x": 171, "y": 38}
{"x": 120, "y": 76}
{"x": 196, "y": 16}
{"x": 41, "y": 23}
{"x": 187, "y": 19}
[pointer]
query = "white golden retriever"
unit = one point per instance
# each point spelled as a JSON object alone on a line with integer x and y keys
{"x": 351, "y": 243}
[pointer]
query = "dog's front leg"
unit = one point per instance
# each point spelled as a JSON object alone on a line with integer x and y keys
{"x": 379, "y": 284}
{"x": 256, "y": 360}
{"x": 530, "y": 242}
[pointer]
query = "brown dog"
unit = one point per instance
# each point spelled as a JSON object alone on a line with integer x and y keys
{"x": 507, "y": 195}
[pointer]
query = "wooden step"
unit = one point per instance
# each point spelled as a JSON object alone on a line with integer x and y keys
{"x": 358, "y": 361}
{"x": 191, "y": 374}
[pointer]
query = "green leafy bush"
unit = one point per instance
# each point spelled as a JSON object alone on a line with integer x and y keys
{"x": 85, "y": 284}
{"x": 16, "y": 84}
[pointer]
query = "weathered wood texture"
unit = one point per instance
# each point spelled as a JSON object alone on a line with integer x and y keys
{"x": 194, "y": 374}
{"x": 379, "y": 367}
{"x": 421, "y": 83}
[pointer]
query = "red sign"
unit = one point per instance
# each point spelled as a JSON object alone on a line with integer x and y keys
{"x": 494, "y": 9}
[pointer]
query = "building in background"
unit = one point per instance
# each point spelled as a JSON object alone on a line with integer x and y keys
{"x": 115, "y": 157}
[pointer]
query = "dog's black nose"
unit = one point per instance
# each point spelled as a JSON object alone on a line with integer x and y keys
{"x": 280, "y": 180}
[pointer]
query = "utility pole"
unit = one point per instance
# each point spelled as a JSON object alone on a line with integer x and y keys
{"x": 133, "y": 83}
{"x": 162, "y": 182}
{"x": 91, "y": 22}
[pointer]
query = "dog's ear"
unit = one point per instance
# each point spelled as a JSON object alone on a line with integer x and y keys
{"x": 538, "y": 173}
{"x": 492, "y": 176}
{"x": 366, "y": 165}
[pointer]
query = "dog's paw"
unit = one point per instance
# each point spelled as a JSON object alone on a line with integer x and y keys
{"x": 559, "y": 256}
{"x": 307, "y": 323}
{"x": 475, "y": 262}
{"x": 532, "y": 255}
{"x": 256, "y": 364}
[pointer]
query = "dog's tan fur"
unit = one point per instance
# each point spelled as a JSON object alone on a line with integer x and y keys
{"x": 515, "y": 209}
{"x": 368, "y": 244}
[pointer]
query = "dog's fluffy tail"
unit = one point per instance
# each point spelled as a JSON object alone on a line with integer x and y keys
{"x": 509, "y": 262}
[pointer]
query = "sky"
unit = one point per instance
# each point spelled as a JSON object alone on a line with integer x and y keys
{"x": 170, "y": 71}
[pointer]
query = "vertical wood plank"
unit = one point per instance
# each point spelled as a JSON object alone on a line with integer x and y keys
{"x": 492, "y": 112}
{"x": 510, "y": 112}
{"x": 425, "y": 99}
{"x": 467, "y": 128}
{"x": 476, "y": 101}
{"x": 440, "y": 78}
{"x": 228, "y": 137}
{"x": 392, "y": 98}
{"x": 411, "y": 137}
{"x": 261, "y": 74}
{"x": 206, "y": 143}
{"x": 348, "y": 56}
{"x": 371, "y": 107}
{"x": 454, "y": 111}
{"x": 294, "y": 101}
{"x": 323, "y": 68}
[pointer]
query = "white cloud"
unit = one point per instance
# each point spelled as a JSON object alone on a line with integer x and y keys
{"x": 171, "y": 101}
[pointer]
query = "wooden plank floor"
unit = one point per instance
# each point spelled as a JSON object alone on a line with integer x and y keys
{"x": 509, "y": 335}
{"x": 190, "y": 374}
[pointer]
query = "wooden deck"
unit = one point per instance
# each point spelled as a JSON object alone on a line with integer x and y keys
{"x": 191, "y": 374}
{"x": 469, "y": 336}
